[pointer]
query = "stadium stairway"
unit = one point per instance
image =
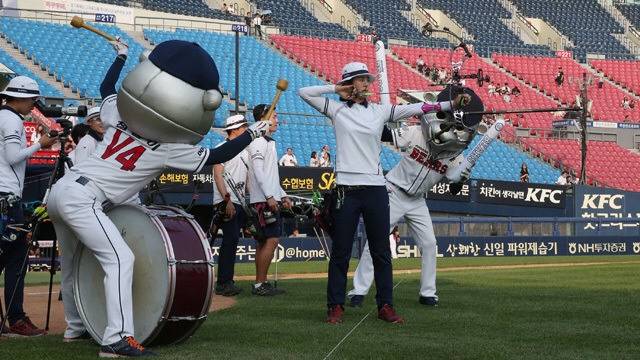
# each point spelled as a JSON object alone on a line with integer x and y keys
{"x": 22, "y": 65}
{"x": 625, "y": 74}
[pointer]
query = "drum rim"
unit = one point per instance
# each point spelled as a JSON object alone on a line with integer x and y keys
{"x": 171, "y": 270}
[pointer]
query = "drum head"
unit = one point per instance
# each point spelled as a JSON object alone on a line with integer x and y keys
{"x": 151, "y": 275}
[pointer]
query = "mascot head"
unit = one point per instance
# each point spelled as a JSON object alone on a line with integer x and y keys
{"x": 448, "y": 135}
{"x": 172, "y": 94}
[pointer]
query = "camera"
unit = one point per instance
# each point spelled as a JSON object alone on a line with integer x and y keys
{"x": 59, "y": 111}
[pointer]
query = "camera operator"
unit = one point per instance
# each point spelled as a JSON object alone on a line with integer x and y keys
{"x": 20, "y": 97}
{"x": 87, "y": 143}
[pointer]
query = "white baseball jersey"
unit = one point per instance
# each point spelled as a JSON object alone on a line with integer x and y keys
{"x": 86, "y": 146}
{"x": 416, "y": 173}
{"x": 264, "y": 178}
{"x": 237, "y": 169}
{"x": 11, "y": 131}
{"x": 123, "y": 162}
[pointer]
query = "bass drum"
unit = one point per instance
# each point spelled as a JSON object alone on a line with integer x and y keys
{"x": 172, "y": 275}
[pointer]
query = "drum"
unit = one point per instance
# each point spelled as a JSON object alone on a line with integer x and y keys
{"x": 172, "y": 277}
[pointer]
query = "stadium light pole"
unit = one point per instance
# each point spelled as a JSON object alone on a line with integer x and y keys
{"x": 584, "y": 102}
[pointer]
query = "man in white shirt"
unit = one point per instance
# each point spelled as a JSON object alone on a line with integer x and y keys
{"x": 257, "y": 25}
{"x": 230, "y": 213}
{"x": 562, "y": 179}
{"x": 20, "y": 96}
{"x": 288, "y": 159}
{"x": 266, "y": 197}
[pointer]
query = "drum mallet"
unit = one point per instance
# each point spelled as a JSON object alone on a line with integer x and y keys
{"x": 281, "y": 86}
{"x": 78, "y": 22}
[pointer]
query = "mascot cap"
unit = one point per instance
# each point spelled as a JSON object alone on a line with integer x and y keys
{"x": 474, "y": 105}
{"x": 188, "y": 62}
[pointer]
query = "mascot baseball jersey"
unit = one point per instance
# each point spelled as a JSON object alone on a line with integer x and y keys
{"x": 416, "y": 173}
{"x": 124, "y": 163}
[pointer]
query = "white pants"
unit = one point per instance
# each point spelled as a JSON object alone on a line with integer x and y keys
{"x": 416, "y": 215}
{"x": 76, "y": 213}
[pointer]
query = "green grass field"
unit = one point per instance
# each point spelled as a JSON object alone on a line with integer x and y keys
{"x": 581, "y": 312}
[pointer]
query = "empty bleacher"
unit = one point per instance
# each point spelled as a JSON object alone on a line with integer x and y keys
{"x": 585, "y": 22}
{"x": 327, "y": 57}
{"x": 541, "y": 71}
{"x": 607, "y": 163}
{"x": 290, "y": 14}
{"x": 483, "y": 19}
{"x": 72, "y": 56}
{"x": 181, "y": 7}
{"x": 386, "y": 18}
{"x": 630, "y": 11}
{"x": 623, "y": 72}
{"x": 45, "y": 88}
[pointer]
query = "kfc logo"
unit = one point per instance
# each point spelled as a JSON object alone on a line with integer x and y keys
{"x": 602, "y": 201}
{"x": 542, "y": 195}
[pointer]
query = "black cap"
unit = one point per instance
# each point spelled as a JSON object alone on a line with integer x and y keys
{"x": 260, "y": 110}
{"x": 188, "y": 62}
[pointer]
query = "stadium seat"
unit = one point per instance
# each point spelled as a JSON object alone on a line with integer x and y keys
{"x": 540, "y": 72}
{"x": 585, "y": 22}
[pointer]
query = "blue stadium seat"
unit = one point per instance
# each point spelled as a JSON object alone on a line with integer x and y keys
{"x": 45, "y": 88}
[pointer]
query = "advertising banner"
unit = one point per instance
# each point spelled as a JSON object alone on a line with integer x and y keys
{"x": 521, "y": 194}
{"x": 607, "y": 207}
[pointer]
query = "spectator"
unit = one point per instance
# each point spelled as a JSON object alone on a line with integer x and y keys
{"x": 442, "y": 75}
{"x": 325, "y": 149}
{"x": 505, "y": 89}
{"x": 224, "y": 7}
{"x": 515, "y": 91}
{"x": 257, "y": 25}
{"x": 626, "y": 119}
{"x": 288, "y": 159}
{"x": 600, "y": 82}
{"x": 325, "y": 160}
{"x": 394, "y": 239}
{"x": 559, "y": 76}
{"x": 491, "y": 89}
{"x": 230, "y": 9}
{"x": 626, "y": 104}
{"x": 524, "y": 173}
{"x": 562, "y": 179}
{"x": 314, "y": 161}
{"x": 247, "y": 21}
{"x": 420, "y": 64}
{"x": 295, "y": 233}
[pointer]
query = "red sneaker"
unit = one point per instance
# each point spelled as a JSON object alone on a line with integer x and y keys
{"x": 334, "y": 314}
{"x": 24, "y": 327}
{"x": 388, "y": 314}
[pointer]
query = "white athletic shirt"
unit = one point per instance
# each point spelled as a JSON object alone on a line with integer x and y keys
{"x": 123, "y": 162}
{"x": 416, "y": 173}
{"x": 264, "y": 178}
{"x": 237, "y": 169}
{"x": 86, "y": 146}
{"x": 358, "y": 129}
{"x": 12, "y": 131}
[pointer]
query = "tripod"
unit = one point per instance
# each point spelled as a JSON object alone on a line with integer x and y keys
{"x": 57, "y": 173}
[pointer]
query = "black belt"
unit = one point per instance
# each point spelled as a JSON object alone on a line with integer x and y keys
{"x": 349, "y": 188}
